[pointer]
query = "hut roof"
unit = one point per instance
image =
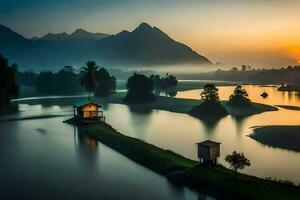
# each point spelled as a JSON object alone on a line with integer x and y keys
{"x": 208, "y": 143}
{"x": 84, "y": 103}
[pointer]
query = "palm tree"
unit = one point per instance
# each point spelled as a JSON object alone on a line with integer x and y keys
{"x": 88, "y": 77}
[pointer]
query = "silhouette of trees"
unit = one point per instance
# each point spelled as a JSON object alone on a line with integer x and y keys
{"x": 45, "y": 83}
{"x": 107, "y": 83}
{"x": 8, "y": 84}
{"x": 164, "y": 83}
{"x": 89, "y": 77}
{"x": 210, "y": 94}
{"x": 239, "y": 96}
{"x": 27, "y": 78}
{"x": 211, "y": 106}
{"x": 237, "y": 161}
{"x": 167, "y": 84}
{"x": 66, "y": 81}
{"x": 140, "y": 89}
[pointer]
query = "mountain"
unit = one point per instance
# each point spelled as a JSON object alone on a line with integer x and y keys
{"x": 9, "y": 37}
{"x": 78, "y": 34}
{"x": 147, "y": 45}
{"x": 144, "y": 46}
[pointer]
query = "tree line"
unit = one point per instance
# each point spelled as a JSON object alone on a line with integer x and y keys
{"x": 68, "y": 81}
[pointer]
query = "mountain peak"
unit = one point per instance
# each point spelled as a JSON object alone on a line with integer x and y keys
{"x": 79, "y": 30}
{"x": 143, "y": 26}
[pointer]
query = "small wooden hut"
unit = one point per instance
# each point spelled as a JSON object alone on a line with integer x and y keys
{"x": 208, "y": 152}
{"x": 88, "y": 111}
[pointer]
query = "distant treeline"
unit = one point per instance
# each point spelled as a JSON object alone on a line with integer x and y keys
{"x": 289, "y": 75}
{"x": 65, "y": 82}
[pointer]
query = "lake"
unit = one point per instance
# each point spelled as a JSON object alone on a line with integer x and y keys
{"x": 45, "y": 153}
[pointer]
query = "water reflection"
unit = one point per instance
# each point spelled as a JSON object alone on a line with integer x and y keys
{"x": 86, "y": 148}
{"x": 210, "y": 124}
{"x": 239, "y": 123}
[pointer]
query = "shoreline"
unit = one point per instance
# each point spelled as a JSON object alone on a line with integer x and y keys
{"x": 216, "y": 181}
{"x": 283, "y": 137}
{"x": 184, "y": 106}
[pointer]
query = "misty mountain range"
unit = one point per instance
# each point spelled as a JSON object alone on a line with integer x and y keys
{"x": 144, "y": 46}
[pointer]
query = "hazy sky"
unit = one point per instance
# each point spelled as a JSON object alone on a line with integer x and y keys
{"x": 234, "y": 32}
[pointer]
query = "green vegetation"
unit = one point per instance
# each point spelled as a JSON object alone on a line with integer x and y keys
{"x": 66, "y": 81}
{"x": 140, "y": 89}
{"x": 88, "y": 77}
{"x": 217, "y": 181}
{"x": 167, "y": 84}
{"x": 237, "y": 161}
{"x": 210, "y": 106}
{"x": 285, "y": 137}
{"x": 161, "y": 161}
{"x": 8, "y": 84}
{"x": 107, "y": 83}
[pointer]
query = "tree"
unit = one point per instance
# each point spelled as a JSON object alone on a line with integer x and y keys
{"x": 211, "y": 107}
{"x": 140, "y": 89}
{"x": 46, "y": 83}
{"x": 67, "y": 78}
{"x": 237, "y": 161}
{"x": 239, "y": 96}
{"x": 107, "y": 83}
{"x": 88, "y": 77}
{"x": 8, "y": 84}
{"x": 210, "y": 94}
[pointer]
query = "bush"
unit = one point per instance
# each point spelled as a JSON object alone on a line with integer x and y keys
{"x": 140, "y": 89}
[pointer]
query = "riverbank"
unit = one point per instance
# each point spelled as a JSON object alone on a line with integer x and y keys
{"x": 216, "y": 181}
{"x": 285, "y": 137}
{"x": 297, "y": 108}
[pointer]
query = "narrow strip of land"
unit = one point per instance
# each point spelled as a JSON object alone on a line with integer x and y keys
{"x": 289, "y": 107}
{"x": 216, "y": 181}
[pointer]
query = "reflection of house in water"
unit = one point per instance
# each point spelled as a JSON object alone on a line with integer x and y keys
{"x": 86, "y": 149}
{"x": 88, "y": 111}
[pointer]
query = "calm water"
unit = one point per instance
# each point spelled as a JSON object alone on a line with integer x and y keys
{"x": 47, "y": 159}
{"x": 49, "y": 156}
{"x": 180, "y": 132}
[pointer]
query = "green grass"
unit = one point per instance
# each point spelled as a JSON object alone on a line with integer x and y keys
{"x": 158, "y": 160}
{"x": 215, "y": 181}
{"x": 249, "y": 187}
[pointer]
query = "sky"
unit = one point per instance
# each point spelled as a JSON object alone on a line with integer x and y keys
{"x": 233, "y": 32}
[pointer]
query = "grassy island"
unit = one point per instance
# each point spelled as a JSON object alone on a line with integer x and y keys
{"x": 180, "y": 105}
{"x": 285, "y": 137}
{"x": 216, "y": 181}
